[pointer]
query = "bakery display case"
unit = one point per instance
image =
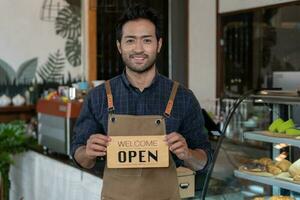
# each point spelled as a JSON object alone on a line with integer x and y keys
{"x": 254, "y": 162}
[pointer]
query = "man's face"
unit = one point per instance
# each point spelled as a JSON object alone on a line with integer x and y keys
{"x": 139, "y": 46}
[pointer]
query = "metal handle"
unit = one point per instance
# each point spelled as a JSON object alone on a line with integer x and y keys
{"x": 184, "y": 185}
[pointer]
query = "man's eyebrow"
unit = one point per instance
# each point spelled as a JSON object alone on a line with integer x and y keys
{"x": 143, "y": 36}
{"x": 129, "y": 36}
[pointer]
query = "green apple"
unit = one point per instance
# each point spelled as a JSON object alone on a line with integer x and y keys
{"x": 275, "y": 124}
{"x": 286, "y": 125}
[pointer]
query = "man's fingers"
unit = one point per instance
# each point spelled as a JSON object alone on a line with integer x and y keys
{"x": 95, "y": 153}
{"x": 97, "y": 141}
{"x": 174, "y": 138}
{"x": 101, "y": 137}
{"x": 98, "y": 148}
{"x": 177, "y": 145}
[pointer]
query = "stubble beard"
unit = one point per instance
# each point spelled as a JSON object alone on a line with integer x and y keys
{"x": 139, "y": 69}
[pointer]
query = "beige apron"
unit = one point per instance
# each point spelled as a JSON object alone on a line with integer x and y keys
{"x": 141, "y": 183}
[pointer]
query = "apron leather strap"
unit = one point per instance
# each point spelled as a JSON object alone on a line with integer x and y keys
{"x": 169, "y": 107}
{"x": 171, "y": 99}
{"x": 110, "y": 102}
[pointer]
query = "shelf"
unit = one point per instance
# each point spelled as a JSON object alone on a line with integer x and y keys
{"x": 23, "y": 108}
{"x": 258, "y": 136}
{"x": 277, "y": 99}
{"x": 268, "y": 181}
{"x": 11, "y": 113}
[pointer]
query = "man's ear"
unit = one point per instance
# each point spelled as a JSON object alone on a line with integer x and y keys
{"x": 159, "y": 45}
{"x": 119, "y": 46}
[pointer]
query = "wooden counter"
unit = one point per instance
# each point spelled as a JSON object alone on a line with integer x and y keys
{"x": 10, "y": 113}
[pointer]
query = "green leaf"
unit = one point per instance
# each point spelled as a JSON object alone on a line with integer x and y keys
{"x": 7, "y": 74}
{"x": 68, "y": 22}
{"x": 12, "y": 140}
{"x": 52, "y": 70}
{"x": 26, "y": 72}
{"x": 73, "y": 52}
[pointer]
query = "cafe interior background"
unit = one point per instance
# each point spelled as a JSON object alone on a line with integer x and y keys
{"x": 241, "y": 58}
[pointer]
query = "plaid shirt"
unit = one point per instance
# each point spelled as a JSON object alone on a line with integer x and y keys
{"x": 186, "y": 116}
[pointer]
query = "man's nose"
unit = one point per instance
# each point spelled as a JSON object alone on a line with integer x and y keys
{"x": 139, "y": 47}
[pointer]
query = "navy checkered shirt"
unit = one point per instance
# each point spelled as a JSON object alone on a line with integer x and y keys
{"x": 186, "y": 116}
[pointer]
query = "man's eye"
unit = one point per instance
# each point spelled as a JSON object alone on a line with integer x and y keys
{"x": 147, "y": 41}
{"x": 129, "y": 41}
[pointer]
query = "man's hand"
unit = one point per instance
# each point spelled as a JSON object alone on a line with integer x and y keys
{"x": 195, "y": 159}
{"x": 96, "y": 145}
{"x": 178, "y": 145}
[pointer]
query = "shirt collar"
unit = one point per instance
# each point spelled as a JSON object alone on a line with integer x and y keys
{"x": 128, "y": 84}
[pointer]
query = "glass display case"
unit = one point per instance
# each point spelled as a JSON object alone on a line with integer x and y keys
{"x": 240, "y": 171}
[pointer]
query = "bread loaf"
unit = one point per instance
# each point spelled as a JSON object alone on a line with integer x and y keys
{"x": 265, "y": 161}
{"x": 281, "y": 198}
{"x": 296, "y": 178}
{"x": 284, "y": 165}
{"x": 295, "y": 168}
{"x": 273, "y": 169}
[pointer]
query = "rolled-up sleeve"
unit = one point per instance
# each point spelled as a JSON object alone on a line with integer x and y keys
{"x": 85, "y": 126}
{"x": 193, "y": 129}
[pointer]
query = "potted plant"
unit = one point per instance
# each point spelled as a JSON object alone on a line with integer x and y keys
{"x": 12, "y": 140}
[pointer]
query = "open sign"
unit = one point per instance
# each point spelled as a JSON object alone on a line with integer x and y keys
{"x": 137, "y": 152}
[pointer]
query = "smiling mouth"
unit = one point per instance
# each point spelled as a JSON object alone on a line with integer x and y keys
{"x": 138, "y": 58}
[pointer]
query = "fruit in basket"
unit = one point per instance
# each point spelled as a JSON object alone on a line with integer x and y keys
{"x": 284, "y": 165}
{"x": 286, "y": 125}
{"x": 275, "y": 124}
{"x": 292, "y": 131}
{"x": 294, "y": 169}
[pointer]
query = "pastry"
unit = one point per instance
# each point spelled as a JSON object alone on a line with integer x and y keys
{"x": 273, "y": 169}
{"x": 284, "y": 165}
{"x": 259, "y": 198}
{"x": 296, "y": 178}
{"x": 286, "y": 125}
{"x": 275, "y": 124}
{"x": 265, "y": 161}
{"x": 254, "y": 167}
{"x": 281, "y": 198}
{"x": 292, "y": 131}
{"x": 295, "y": 168}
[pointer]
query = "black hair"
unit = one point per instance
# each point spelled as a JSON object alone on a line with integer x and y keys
{"x": 139, "y": 11}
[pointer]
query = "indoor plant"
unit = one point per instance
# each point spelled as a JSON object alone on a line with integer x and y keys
{"x": 12, "y": 140}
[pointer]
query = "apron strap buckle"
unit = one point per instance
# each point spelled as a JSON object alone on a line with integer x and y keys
{"x": 111, "y": 110}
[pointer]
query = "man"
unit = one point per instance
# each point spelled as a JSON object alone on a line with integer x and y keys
{"x": 137, "y": 98}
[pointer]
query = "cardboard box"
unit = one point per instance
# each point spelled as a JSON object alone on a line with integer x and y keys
{"x": 186, "y": 182}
